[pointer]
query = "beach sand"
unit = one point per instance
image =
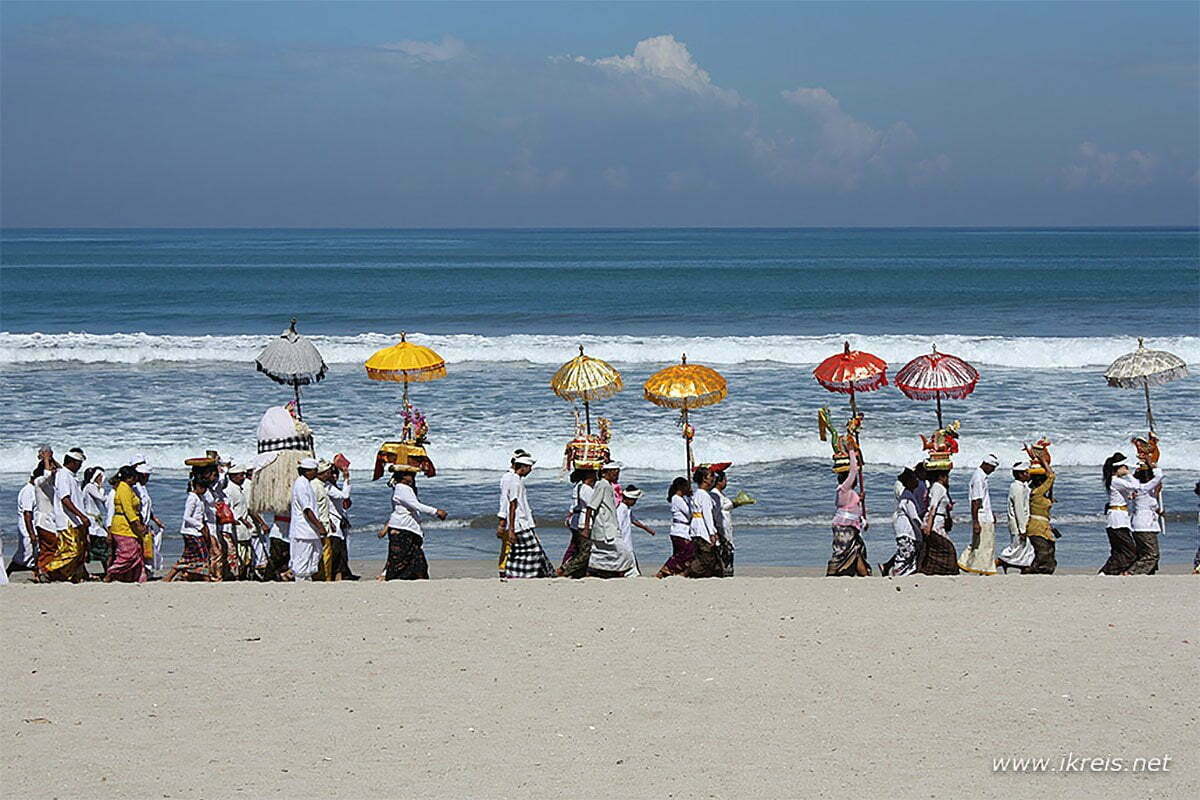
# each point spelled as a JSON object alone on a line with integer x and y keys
{"x": 754, "y": 687}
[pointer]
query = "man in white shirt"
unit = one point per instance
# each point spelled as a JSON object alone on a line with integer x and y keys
{"x": 525, "y": 557}
{"x": 508, "y": 490}
{"x": 979, "y": 556}
{"x": 610, "y": 558}
{"x": 244, "y": 527}
{"x": 70, "y": 522}
{"x": 339, "y": 519}
{"x": 306, "y": 531}
{"x": 25, "y": 558}
{"x": 707, "y": 563}
{"x": 1019, "y": 552}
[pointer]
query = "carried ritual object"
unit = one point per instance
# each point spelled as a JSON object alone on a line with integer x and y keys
{"x": 283, "y": 441}
{"x": 839, "y": 441}
{"x": 941, "y": 447}
{"x": 1039, "y": 454}
{"x": 405, "y": 362}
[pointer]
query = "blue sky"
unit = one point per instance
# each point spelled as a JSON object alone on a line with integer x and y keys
{"x": 548, "y": 114}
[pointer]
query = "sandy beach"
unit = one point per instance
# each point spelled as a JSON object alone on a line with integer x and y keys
{"x": 752, "y": 687}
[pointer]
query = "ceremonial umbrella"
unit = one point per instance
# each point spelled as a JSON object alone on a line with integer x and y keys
{"x": 405, "y": 362}
{"x": 291, "y": 360}
{"x": 937, "y": 375}
{"x": 587, "y": 379}
{"x": 685, "y": 386}
{"x": 1143, "y": 368}
{"x": 852, "y": 371}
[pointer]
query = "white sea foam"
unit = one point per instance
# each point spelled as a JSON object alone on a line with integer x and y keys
{"x": 1005, "y": 351}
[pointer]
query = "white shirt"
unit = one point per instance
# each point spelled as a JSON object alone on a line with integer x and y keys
{"x": 939, "y": 507}
{"x": 278, "y": 531}
{"x": 66, "y": 484}
{"x": 339, "y": 515}
{"x": 603, "y": 505}
{"x": 239, "y": 503}
{"x": 979, "y": 491}
{"x": 95, "y": 503}
{"x": 1145, "y": 517}
{"x": 407, "y": 510}
{"x": 681, "y": 516}
{"x": 110, "y": 509}
{"x": 193, "y": 515}
{"x": 321, "y": 490}
{"x": 44, "y": 494}
{"x": 1018, "y": 507}
{"x": 514, "y": 489}
{"x": 724, "y": 512}
{"x": 582, "y": 494}
{"x": 906, "y": 521}
{"x": 1120, "y": 493}
{"x": 26, "y": 501}
{"x": 702, "y": 515}
{"x": 147, "y": 509}
{"x": 303, "y": 498}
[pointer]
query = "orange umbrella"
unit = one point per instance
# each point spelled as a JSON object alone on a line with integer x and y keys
{"x": 852, "y": 371}
{"x": 686, "y": 386}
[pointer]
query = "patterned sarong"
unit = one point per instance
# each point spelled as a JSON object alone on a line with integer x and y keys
{"x": 406, "y": 559}
{"x": 849, "y": 553}
{"x": 904, "y": 562}
{"x": 1122, "y": 552}
{"x": 682, "y": 552}
{"x": 68, "y": 561}
{"x": 526, "y": 558}
{"x": 575, "y": 560}
{"x": 940, "y": 557}
{"x": 195, "y": 558}
{"x": 128, "y": 563}
{"x": 707, "y": 561}
{"x": 1044, "y": 561}
{"x": 47, "y": 549}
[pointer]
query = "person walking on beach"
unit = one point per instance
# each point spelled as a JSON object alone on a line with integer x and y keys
{"x": 1146, "y": 520}
{"x": 682, "y": 549}
{"x": 95, "y": 505}
{"x": 939, "y": 556}
{"x": 705, "y": 539}
{"x": 321, "y": 490}
{"x": 153, "y": 525}
{"x": 195, "y": 563}
{"x": 339, "y": 520}
{"x": 1041, "y": 533}
{"x": 127, "y": 563}
{"x": 849, "y": 551}
{"x": 1019, "y": 553}
{"x": 723, "y": 509}
{"x": 626, "y": 522}
{"x": 44, "y": 517}
{"x": 579, "y": 551}
{"x": 525, "y": 557}
{"x": 508, "y": 490}
{"x": 906, "y": 524}
{"x": 1119, "y": 486}
{"x": 1196, "y": 560}
{"x": 70, "y": 522}
{"x": 25, "y": 557}
{"x": 609, "y": 557}
{"x": 979, "y": 557}
{"x": 244, "y": 527}
{"x": 306, "y": 531}
{"x": 406, "y": 555}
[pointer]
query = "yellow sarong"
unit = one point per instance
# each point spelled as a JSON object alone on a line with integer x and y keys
{"x": 71, "y": 553}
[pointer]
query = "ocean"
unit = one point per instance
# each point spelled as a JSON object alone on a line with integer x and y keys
{"x": 125, "y": 341}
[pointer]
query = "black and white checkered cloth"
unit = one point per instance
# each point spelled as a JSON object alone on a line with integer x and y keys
{"x": 527, "y": 559}
{"x": 290, "y": 443}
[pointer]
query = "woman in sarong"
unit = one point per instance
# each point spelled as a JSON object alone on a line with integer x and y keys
{"x": 682, "y": 549}
{"x": 406, "y": 556}
{"x": 128, "y": 560}
{"x": 849, "y": 551}
{"x": 1119, "y": 486}
{"x": 575, "y": 559}
{"x": 1041, "y": 533}
{"x": 906, "y": 522}
{"x": 940, "y": 556}
{"x": 1145, "y": 521}
{"x": 196, "y": 562}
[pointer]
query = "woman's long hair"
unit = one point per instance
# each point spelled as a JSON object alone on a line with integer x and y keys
{"x": 678, "y": 486}
{"x": 1110, "y": 470}
{"x": 90, "y": 473}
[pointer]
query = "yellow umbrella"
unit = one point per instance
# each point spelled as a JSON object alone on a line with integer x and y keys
{"x": 587, "y": 379}
{"x": 405, "y": 362}
{"x": 686, "y": 386}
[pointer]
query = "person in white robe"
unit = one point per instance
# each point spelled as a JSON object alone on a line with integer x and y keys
{"x": 306, "y": 531}
{"x": 610, "y": 558}
{"x": 25, "y": 556}
{"x": 627, "y": 520}
{"x": 1146, "y": 520}
{"x": 979, "y": 557}
{"x": 1019, "y": 552}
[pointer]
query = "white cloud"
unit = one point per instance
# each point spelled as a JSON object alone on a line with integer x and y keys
{"x": 928, "y": 170}
{"x": 1096, "y": 167}
{"x": 666, "y": 60}
{"x": 448, "y": 49}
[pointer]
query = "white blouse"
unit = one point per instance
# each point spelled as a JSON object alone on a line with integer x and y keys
{"x": 681, "y": 516}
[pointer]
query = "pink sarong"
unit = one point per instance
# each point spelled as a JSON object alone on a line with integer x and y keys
{"x": 129, "y": 562}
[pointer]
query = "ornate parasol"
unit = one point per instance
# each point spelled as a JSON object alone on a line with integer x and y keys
{"x": 852, "y": 371}
{"x": 405, "y": 362}
{"x": 291, "y": 360}
{"x": 1144, "y": 368}
{"x": 587, "y": 379}
{"x": 685, "y": 386}
{"x": 937, "y": 375}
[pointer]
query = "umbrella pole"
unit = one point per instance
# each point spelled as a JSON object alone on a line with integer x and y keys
{"x": 687, "y": 444}
{"x": 296, "y": 389}
{"x": 587, "y": 415}
{"x": 853, "y": 405}
{"x": 939, "y": 407}
{"x": 1149, "y": 415}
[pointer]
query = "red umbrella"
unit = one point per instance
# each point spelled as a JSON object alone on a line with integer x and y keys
{"x": 852, "y": 371}
{"x": 938, "y": 375}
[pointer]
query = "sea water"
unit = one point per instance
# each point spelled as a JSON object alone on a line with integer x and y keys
{"x": 143, "y": 341}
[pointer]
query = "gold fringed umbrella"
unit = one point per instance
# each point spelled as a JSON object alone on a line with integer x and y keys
{"x": 406, "y": 362}
{"x": 686, "y": 386}
{"x": 586, "y": 379}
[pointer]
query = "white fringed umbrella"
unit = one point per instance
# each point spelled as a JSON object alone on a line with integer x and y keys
{"x": 293, "y": 361}
{"x": 937, "y": 375}
{"x": 1144, "y": 368}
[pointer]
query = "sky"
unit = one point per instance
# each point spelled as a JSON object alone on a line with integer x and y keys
{"x": 594, "y": 115}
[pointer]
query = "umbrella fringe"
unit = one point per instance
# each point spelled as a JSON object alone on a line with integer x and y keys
{"x": 697, "y": 401}
{"x": 956, "y": 393}
{"x": 294, "y": 379}
{"x": 1157, "y": 379}
{"x": 407, "y": 375}
{"x": 868, "y": 385}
